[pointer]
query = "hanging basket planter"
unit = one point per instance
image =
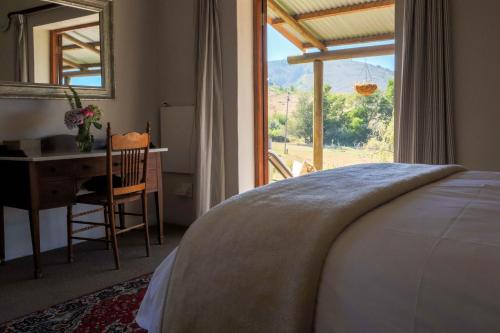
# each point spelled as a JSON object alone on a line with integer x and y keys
{"x": 366, "y": 89}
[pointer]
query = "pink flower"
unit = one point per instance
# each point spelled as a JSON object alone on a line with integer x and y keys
{"x": 88, "y": 112}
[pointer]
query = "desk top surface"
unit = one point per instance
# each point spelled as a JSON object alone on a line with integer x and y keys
{"x": 68, "y": 156}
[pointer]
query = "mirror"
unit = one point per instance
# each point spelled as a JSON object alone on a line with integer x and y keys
{"x": 47, "y": 45}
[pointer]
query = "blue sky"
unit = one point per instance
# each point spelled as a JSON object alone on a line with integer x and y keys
{"x": 279, "y": 48}
{"x": 89, "y": 81}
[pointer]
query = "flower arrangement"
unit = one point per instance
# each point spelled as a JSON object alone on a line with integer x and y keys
{"x": 82, "y": 118}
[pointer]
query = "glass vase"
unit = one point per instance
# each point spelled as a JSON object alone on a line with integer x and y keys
{"x": 84, "y": 140}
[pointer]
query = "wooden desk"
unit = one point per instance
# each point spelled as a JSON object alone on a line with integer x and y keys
{"x": 52, "y": 181}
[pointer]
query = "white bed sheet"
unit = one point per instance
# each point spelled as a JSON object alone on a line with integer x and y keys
{"x": 151, "y": 310}
{"x": 428, "y": 261}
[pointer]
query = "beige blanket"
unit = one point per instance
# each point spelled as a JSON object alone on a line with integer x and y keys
{"x": 253, "y": 264}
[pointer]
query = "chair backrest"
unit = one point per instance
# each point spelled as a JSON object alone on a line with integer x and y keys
{"x": 133, "y": 149}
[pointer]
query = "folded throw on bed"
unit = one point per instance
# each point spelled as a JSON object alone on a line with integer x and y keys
{"x": 253, "y": 263}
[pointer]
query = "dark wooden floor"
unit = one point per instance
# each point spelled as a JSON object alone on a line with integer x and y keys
{"x": 92, "y": 270}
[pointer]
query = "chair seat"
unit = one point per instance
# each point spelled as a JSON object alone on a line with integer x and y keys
{"x": 100, "y": 183}
{"x": 96, "y": 198}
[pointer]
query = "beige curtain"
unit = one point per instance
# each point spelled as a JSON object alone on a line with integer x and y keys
{"x": 425, "y": 126}
{"x": 210, "y": 178}
{"x": 21, "y": 48}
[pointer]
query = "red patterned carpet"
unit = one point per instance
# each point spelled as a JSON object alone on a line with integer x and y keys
{"x": 109, "y": 310}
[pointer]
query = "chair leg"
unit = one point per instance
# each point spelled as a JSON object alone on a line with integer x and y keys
{"x": 107, "y": 227}
{"x": 145, "y": 221}
{"x": 69, "y": 217}
{"x": 111, "y": 216}
{"x": 121, "y": 213}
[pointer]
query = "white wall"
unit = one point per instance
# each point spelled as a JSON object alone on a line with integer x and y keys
{"x": 136, "y": 102}
{"x": 476, "y": 54}
{"x": 40, "y": 65}
{"x": 177, "y": 65}
{"x": 246, "y": 161}
{"x": 176, "y": 49}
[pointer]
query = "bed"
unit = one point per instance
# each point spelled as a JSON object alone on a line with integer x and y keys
{"x": 368, "y": 248}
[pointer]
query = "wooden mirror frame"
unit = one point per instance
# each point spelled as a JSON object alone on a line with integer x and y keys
{"x": 50, "y": 91}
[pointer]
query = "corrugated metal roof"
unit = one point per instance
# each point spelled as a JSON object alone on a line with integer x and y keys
{"x": 373, "y": 22}
{"x": 81, "y": 55}
{"x": 295, "y": 7}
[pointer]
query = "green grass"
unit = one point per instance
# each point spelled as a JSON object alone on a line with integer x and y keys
{"x": 332, "y": 157}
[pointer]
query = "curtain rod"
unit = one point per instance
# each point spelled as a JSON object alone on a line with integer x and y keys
{"x": 33, "y": 10}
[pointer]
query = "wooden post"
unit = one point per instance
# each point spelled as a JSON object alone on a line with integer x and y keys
{"x": 349, "y": 53}
{"x": 318, "y": 115}
{"x": 260, "y": 94}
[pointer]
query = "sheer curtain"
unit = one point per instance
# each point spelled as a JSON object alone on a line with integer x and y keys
{"x": 210, "y": 177}
{"x": 425, "y": 125}
{"x": 21, "y": 48}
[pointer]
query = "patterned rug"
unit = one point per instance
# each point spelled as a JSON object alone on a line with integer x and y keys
{"x": 109, "y": 310}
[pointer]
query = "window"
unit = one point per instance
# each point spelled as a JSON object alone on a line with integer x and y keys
{"x": 76, "y": 55}
{"x": 327, "y": 86}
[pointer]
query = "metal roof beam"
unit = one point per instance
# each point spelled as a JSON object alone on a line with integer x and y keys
{"x": 70, "y": 47}
{"x": 291, "y": 38}
{"x": 71, "y": 64}
{"x": 354, "y": 40}
{"x": 295, "y": 25}
{"x": 379, "y": 4}
{"x": 81, "y": 44}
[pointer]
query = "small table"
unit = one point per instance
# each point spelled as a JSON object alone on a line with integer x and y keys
{"x": 53, "y": 180}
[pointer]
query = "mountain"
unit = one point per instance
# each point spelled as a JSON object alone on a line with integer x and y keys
{"x": 342, "y": 75}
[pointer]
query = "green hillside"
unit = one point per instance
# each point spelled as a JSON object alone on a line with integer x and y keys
{"x": 342, "y": 75}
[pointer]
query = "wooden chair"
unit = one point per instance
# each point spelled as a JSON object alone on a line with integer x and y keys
{"x": 299, "y": 168}
{"x": 130, "y": 186}
{"x": 279, "y": 165}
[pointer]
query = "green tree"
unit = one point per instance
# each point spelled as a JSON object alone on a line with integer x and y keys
{"x": 335, "y": 118}
{"x": 277, "y": 127}
{"x": 303, "y": 120}
{"x": 349, "y": 119}
{"x": 389, "y": 93}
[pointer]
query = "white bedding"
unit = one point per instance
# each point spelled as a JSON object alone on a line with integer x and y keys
{"x": 426, "y": 261}
{"x": 152, "y": 306}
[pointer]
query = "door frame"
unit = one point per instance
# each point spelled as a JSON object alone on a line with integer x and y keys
{"x": 260, "y": 94}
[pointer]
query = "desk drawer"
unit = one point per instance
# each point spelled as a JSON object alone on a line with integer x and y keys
{"x": 56, "y": 192}
{"x": 91, "y": 167}
{"x": 55, "y": 168}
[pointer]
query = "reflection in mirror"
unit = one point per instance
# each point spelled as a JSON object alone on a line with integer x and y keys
{"x": 49, "y": 43}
